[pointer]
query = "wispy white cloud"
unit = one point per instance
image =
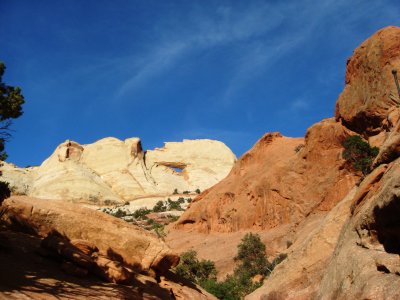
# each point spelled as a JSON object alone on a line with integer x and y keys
{"x": 205, "y": 32}
{"x": 299, "y": 104}
{"x": 155, "y": 63}
{"x": 292, "y": 24}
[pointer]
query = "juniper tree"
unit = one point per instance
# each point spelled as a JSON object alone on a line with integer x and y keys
{"x": 11, "y": 101}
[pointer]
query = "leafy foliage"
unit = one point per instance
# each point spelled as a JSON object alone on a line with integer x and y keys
{"x": 11, "y": 101}
{"x": 141, "y": 213}
{"x": 252, "y": 261}
{"x": 359, "y": 153}
{"x": 251, "y": 254}
{"x": 195, "y": 270}
{"x": 175, "y": 205}
{"x": 160, "y": 206}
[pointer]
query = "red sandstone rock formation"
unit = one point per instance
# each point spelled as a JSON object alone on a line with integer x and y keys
{"x": 279, "y": 181}
{"x": 345, "y": 237}
{"x": 88, "y": 242}
{"x": 370, "y": 90}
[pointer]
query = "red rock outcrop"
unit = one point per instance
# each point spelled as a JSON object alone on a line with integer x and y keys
{"x": 366, "y": 264}
{"x": 279, "y": 181}
{"x": 88, "y": 242}
{"x": 345, "y": 235}
{"x": 370, "y": 92}
{"x": 26, "y": 274}
{"x": 136, "y": 247}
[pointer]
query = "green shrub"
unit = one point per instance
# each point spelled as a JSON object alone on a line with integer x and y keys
{"x": 251, "y": 255}
{"x": 140, "y": 214}
{"x": 197, "y": 191}
{"x": 157, "y": 227}
{"x": 359, "y": 153}
{"x": 227, "y": 289}
{"x": 160, "y": 206}
{"x": 175, "y": 191}
{"x": 119, "y": 213}
{"x": 195, "y": 270}
{"x": 174, "y": 205}
{"x": 173, "y": 218}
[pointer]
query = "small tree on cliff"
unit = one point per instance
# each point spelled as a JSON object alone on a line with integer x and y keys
{"x": 359, "y": 153}
{"x": 11, "y": 101}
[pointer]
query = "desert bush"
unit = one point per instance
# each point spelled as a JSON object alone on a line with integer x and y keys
{"x": 299, "y": 147}
{"x": 140, "y": 214}
{"x": 195, "y": 270}
{"x": 251, "y": 255}
{"x": 252, "y": 261}
{"x": 119, "y": 213}
{"x": 160, "y": 206}
{"x": 173, "y": 218}
{"x": 174, "y": 205}
{"x": 359, "y": 153}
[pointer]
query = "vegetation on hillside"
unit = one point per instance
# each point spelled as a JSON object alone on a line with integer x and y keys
{"x": 359, "y": 153}
{"x": 140, "y": 218}
{"x": 251, "y": 261}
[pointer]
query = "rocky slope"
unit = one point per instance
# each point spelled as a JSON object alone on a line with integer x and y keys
{"x": 343, "y": 233}
{"x": 279, "y": 181}
{"x": 86, "y": 244}
{"x": 111, "y": 171}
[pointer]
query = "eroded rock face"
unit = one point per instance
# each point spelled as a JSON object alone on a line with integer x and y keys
{"x": 56, "y": 268}
{"x": 353, "y": 253}
{"x": 370, "y": 92}
{"x": 279, "y": 181}
{"x": 365, "y": 264}
{"x": 20, "y": 179}
{"x": 112, "y": 171}
{"x": 299, "y": 276}
{"x": 139, "y": 249}
{"x": 345, "y": 235}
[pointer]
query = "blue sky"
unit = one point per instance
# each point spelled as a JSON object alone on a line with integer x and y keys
{"x": 173, "y": 70}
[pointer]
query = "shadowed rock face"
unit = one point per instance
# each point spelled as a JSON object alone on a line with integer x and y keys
{"x": 83, "y": 243}
{"x": 111, "y": 171}
{"x": 136, "y": 247}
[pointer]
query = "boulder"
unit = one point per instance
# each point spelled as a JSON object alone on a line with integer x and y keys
{"x": 370, "y": 92}
{"x": 117, "y": 239}
{"x": 26, "y": 275}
